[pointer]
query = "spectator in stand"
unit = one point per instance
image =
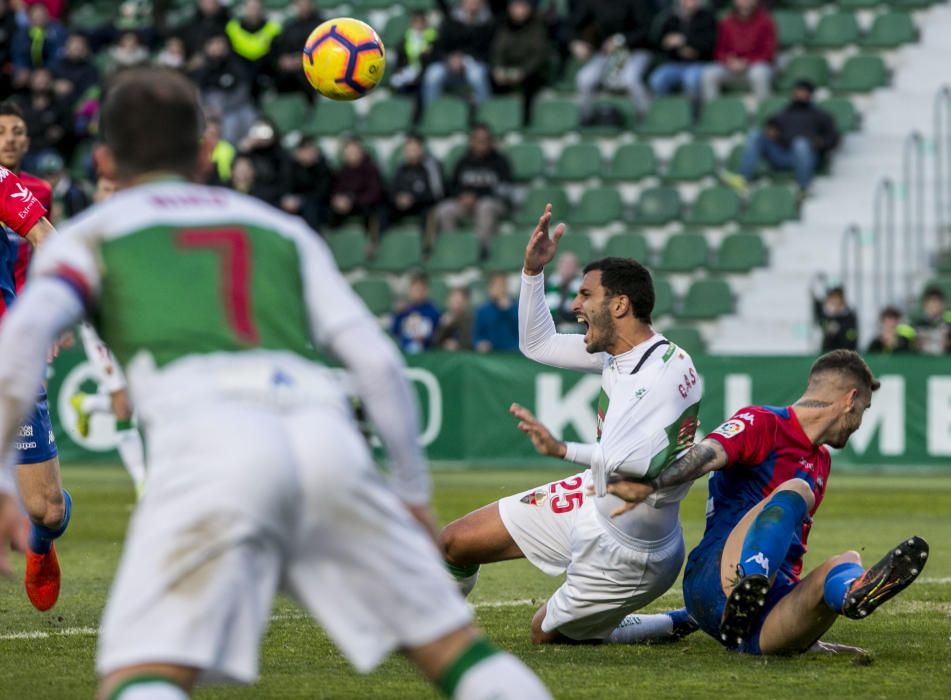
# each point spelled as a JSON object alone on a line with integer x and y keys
{"x": 496, "y": 320}
{"x": 55, "y": 8}
{"x": 561, "y": 288}
{"x": 934, "y": 327}
{"x": 289, "y": 72}
{"x": 173, "y": 54}
{"x": 211, "y": 22}
{"x": 272, "y": 165}
{"x": 48, "y": 118}
{"x": 685, "y": 35}
{"x": 252, "y": 39}
{"x": 415, "y": 322}
{"x": 612, "y": 38}
{"x": 797, "y": 138}
{"x": 217, "y": 155}
{"x": 225, "y": 91}
{"x": 745, "y": 51}
{"x": 8, "y": 31}
{"x": 74, "y": 73}
{"x": 128, "y": 52}
{"x": 36, "y": 44}
{"x": 893, "y": 337}
{"x": 836, "y": 320}
{"x": 455, "y": 325}
{"x": 480, "y": 188}
{"x": 243, "y": 176}
{"x": 520, "y": 52}
{"x": 462, "y": 53}
{"x": 414, "y": 54}
{"x": 358, "y": 190}
{"x": 308, "y": 195}
{"x": 417, "y": 186}
{"x": 68, "y": 197}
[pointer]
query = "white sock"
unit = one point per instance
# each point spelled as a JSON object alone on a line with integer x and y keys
{"x": 500, "y": 677}
{"x": 635, "y": 629}
{"x": 467, "y": 583}
{"x": 97, "y": 403}
{"x": 150, "y": 689}
{"x": 132, "y": 453}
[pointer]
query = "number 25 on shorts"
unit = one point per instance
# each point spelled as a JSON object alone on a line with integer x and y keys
{"x": 571, "y": 497}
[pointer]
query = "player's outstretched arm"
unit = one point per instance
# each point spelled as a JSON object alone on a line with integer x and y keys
{"x": 39, "y": 232}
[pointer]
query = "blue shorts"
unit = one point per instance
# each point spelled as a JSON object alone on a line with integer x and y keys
{"x": 704, "y": 598}
{"x": 35, "y": 442}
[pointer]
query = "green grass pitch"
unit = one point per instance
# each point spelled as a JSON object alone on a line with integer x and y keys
{"x": 50, "y": 655}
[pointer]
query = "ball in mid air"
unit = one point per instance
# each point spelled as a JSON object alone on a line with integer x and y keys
{"x": 344, "y": 59}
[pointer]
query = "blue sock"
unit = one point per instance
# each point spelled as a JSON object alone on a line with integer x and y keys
{"x": 837, "y": 583}
{"x": 771, "y": 534}
{"x": 41, "y": 537}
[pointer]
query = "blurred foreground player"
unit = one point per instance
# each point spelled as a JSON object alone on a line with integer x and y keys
{"x": 258, "y": 477}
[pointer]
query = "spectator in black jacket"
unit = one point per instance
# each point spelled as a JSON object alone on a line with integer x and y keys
{"x": 8, "y": 30}
{"x": 480, "y": 187}
{"x": 225, "y": 88}
{"x": 796, "y": 139}
{"x": 272, "y": 166}
{"x": 417, "y": 186}
{"x": 48, "y": 119}
{"x": 933, "y": 329}
{"x": 74, "y": 73}
{"x": 462, "y": 52}
{"x": 685, "y": 35}
{"x": 211, "y": 21}
{"x": 836, "y": 320}
{"x": 520, "y": 52}
{"x": 894, "y": 337}
{"x": 68, "y": 197}
{"x": 290, "y": 72}
{"x": 358, "y": 190}
{"x": 612, "y": 37}
{"x": 309, "y": 184}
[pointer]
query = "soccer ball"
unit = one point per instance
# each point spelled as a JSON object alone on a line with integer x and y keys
{"x": 344, "y": 59}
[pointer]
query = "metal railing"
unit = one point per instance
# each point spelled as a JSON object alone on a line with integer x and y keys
{"x": 942, "y": 164}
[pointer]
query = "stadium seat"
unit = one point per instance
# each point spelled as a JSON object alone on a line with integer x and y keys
{"x": 686, "y": 337}
{"x": 632, "y": 162}
{"x": 348, "y": 248}
{"x": 805, "y": 4}
{"x": 577, "y": 242}
{"x": 663, "y": 297}
{"x": 288, "y": 112}
{"x": 395, "y": 29}
{"x": 534, "y": 205}
{"x": 740, "y": 252}
{"x": 843, "y": 111}
{"x": 791, "y": 28}
{"x": 911, "y": 4}
{"x": 579, "y": 161}
{"x": 376, "y": 294}
{"x": 527, "y": 159}
{"x": 657, "y": 206}
{"x": 723, "y": 116}
{"x": 889, "y": 31}
{"x": 599, "y": 206}
{"x": 835, "y": 30}
{"x": 452, "y": 158}
{"x": 691, "y": 161}
{"x": 665, "y": 117}
{"x": 502, "y": 114}
{"x": 805, "y": 67}
{"x": 445, "y": 116}
{"x": 770, "y": 206}
{"x": 769, "y": 107}
{"x": 714, "y": 206}
{"x": 736, "y": 157}
{"x": 627, "y": 245}
{"x": 507, "y": 253}
{"x": 859, "y": 4}
{"x": 438, "y": 291}
{"x": 389, "y": 117}
{"x": 330, "y": 118}
{"x": 553, "y": 118}
{"x": 706, "y": 299}
{"x": 621, "y": 104}
{"x": 684, "y": 252}
{"x": 860, "y": 74}
{"x": 399, "y": 251}
{"x": 454, "y": 251}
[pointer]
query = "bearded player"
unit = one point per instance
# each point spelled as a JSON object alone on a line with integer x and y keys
{"x": 647, "y": 415}
{"x": 770, "y": 470}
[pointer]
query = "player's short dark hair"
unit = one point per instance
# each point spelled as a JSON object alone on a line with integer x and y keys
{"x": 151, "y": 121}
{"x": 9, "y": 108}
{"x": 849, "y": 364}
{"x": 630, "y": 278}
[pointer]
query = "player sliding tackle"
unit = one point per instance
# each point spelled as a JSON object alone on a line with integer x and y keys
{"x": 770, "y": 470}
{"x": 647, "y": 415}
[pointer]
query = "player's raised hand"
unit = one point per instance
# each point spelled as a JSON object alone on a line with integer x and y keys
{"x": 541, "y": 247}
{"x": 545, "y": 443}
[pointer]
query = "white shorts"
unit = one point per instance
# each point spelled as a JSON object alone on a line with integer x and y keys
{"x": 559, "y": 530}
{"x": 111, "y": 378}
{"x": 242, "y": 501}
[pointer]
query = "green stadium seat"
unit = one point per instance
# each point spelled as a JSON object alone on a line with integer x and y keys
{"x": 395, "y": 29}
{"x": 843, "y": 111}
{"x": 445, "y": 116}
{"x": 452, "y": 158}
{"x": 770, "y": 206}
{"x": 665, "y": 117}
{"x": 910, "y": 4}
{"x": 723, "y": 116}
{"x": 527, "y": 159}
{"x": 376, "y": 294}
{"x": 348, "y": 248}
{"x": 399, "y": 251}
{"x": 599, "y": 206}
{"x": 810, "y": 67}
{"x": 621, "y": 104}
{"x": 835, "y": 30}
{"x": 577, "y": 242}
{"x": 438, "y": 291}
{"x": 861, "y": 74}
{"x": 389, "y": 117}
{"x": 330, "y": 118}
{"x": 534, "y": 205}
{"x": 684, "y": 252}
{"x": 663, "y": 297}
{"x": 714, "y": 206}
{"x": 692, "y": 161}
{"x": 454, "y": 251}
{"x": 502, "y": 114}
{"x": 507, "y": 253}
{"x": 859, "y": 4}
{"x": 553, "y": 118}
{"x": 889, "y": 31}
{"x": 288, "y": 112}
{"x": 657, "y": 206}
{"x": 579, "y": 161}
{"x": 791, "y": 28}
{"x": 567, "y": 82}
{"x": 707, "y": 299}
{"x": 740, "y": 252}
{"x": 688, "y": 338}
{"x": 627, "y": 245}
{"x": 769, "y": 107}
{"x": 632, "y": 162}
{"x": 804, "y": 4}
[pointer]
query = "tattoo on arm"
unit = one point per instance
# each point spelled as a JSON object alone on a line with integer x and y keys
{"x": 708, "y": 456}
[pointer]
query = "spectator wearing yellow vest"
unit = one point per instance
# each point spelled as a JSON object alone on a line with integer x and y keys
{"x": 252, "y": 38}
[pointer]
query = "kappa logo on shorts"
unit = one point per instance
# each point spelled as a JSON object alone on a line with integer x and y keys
{"x": 730, "y": 428}
{"x": 535, "y": 498}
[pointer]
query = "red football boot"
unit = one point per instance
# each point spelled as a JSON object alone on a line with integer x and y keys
{"x": 42, "y": 578}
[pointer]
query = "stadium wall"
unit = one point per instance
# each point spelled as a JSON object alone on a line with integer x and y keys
{"x": 464, "y": 399}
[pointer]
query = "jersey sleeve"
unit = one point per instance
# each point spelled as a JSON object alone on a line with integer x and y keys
{"x": 19, "y": 207}
{"x": 746, "y": 437}
{"x": 70, "y": 256}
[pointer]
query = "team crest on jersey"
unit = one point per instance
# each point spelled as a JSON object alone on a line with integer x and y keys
{"x": 535, "y": 498}
{"x": 731, "y": 428}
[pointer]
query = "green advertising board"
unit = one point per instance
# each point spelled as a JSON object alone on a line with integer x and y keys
{"x": 464, "y": 400}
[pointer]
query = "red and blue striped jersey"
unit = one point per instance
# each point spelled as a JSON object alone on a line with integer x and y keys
{"x": 19, "y": 212}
